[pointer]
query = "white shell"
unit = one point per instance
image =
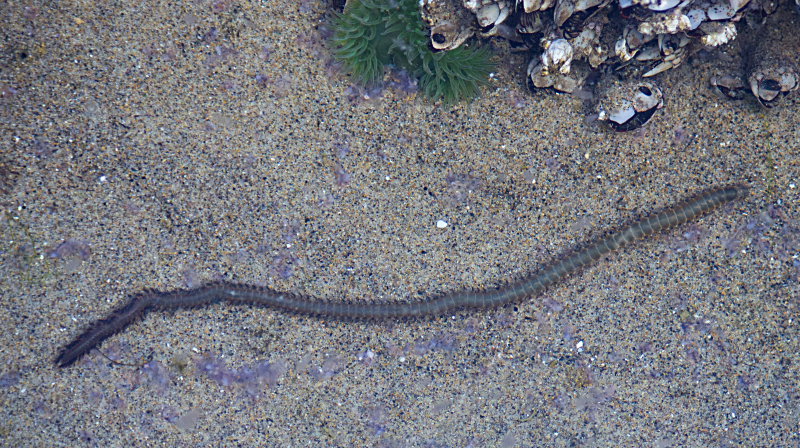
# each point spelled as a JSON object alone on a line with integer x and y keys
{"x": 539, "y": 80}
{"x": 762, "y": 94}
{"x": 557, "y": 55}
{"x": 696, "y": 17}
{"x": 662, "y": 5}
{"x": 788, "y": 81}
{"x": 665, "y": 24}
{"x": 564, "y": 9}
{"x": 621, "y": 49}
{"x": 527, "y": 5}
{"x": 536, "y": 5}
{"x": 583, "y": 5}
{"x": 721, "y": 12}
{"x": 635, "y": 39}
{"x": 530, "y": 5}
{"x": 622, "y": 115}
{"x": 718, "y": 33}
{"x": 488, "y": 15}
{"x": 504, "y": 12}
{"x": 651, "y": 53}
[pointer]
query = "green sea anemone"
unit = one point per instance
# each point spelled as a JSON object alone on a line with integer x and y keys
{"x": 371, "y": 34}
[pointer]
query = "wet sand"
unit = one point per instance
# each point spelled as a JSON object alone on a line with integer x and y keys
{"x": 141, "y": 150}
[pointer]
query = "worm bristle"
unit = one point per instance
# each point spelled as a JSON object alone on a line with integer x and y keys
{"x": 478, "y": 298}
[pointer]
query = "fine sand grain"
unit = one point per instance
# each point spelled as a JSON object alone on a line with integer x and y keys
{"x": 164, "y": 145}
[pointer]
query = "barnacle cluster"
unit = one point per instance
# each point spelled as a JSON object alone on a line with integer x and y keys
{"x": 372, "y": 34}
{"x": 637, "y": 39}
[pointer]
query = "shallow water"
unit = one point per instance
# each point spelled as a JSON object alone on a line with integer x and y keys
{"x": 142, "y": 151}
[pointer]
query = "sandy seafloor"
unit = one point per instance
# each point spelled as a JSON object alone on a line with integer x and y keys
{"x": 139, "y": 151}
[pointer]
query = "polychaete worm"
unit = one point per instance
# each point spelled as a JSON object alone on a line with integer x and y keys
{"x": 288, "y": 302}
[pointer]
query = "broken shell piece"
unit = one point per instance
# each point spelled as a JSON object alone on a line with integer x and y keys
{"x": 628, "y": 105}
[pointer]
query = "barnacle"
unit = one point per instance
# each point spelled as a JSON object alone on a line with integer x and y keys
{"x": 371, "y": 34}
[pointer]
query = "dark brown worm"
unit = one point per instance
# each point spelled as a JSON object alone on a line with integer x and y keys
{"x": 448, "y": 303}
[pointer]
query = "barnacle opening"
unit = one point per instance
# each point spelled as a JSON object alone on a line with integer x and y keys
{"x": 769, "y": 91}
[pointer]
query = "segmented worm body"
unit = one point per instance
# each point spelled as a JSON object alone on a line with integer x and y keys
{"x": 288, "y": 302}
